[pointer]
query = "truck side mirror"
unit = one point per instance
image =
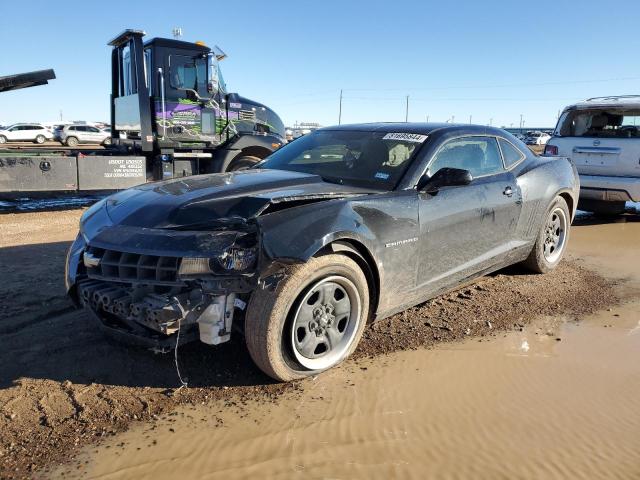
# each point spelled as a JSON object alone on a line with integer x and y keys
{"x": 445, "y": 177}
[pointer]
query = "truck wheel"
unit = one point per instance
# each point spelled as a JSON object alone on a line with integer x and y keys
{"x": 3, "y": 139}
{"x": 40, "y": 139}
{"x": 552, "y": 238}
{"x": 311, "y": 322}
{"x": 242, "y": 163}
{"x": 107, "y": 141}
{"x": 71, "y": 141}
{"x": 602, "y": 208}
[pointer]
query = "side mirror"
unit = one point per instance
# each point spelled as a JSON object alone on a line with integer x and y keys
{"x": 445, "y": 177}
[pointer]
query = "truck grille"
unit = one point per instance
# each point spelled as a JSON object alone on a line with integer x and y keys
{"x": 247, "y": 115}
{"x": 131, "y": 267}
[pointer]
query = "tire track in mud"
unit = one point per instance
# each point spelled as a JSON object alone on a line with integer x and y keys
{"x": 71, "y": 394}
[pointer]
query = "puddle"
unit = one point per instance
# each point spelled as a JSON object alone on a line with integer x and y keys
{"x": 522, "y": 405}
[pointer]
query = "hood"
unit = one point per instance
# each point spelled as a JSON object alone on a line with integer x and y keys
{"x": 198, "y": 201}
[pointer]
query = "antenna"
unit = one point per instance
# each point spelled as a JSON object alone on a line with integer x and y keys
{"x": 177, "y": 33}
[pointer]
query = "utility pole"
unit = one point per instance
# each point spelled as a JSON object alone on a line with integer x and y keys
{"x": 60, "y": 114}
{"x": 406, "y": 112}
{"x": 491, "y": 122}
{"x": 470, "y": 117}
{"x": 340, "y": 110}
{"x": 521, "y": 123}
{"x": 427, "y": 118}
{"x": 453, "y": 119}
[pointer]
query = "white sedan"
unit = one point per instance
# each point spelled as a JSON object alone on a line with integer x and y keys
{"x": 25, "y": 132}
{"x": 537, "y": 138}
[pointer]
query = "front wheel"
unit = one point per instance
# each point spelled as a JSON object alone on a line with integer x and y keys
{"x": 107, "y": 141}
{"x": 3, "y": 139}
{"x": 242, "y": 163}
{"x": 72, "y": 141}
{"x": 40, "y": 139}
{"x": 552, "y": 238}
{"x": 311, "y": 322}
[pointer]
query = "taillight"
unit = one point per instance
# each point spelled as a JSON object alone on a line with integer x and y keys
{"x": 550, "y": 150}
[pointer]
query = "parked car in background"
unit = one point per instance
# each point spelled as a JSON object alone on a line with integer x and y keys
{"x": 341, "y": 226}
{"x": 537, "y": 138}
{"x": 25, "y": 132}
{"x": 602, "y": 137}
{"x": 520, "y": 136}
{"x": 73, "y": 135}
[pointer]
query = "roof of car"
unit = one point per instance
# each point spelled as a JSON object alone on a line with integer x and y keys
{"x": 413, "y": 127}
{"x": 612, "y": 101}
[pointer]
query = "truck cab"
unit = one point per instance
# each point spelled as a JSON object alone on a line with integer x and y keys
{"x": 169, "y": 101}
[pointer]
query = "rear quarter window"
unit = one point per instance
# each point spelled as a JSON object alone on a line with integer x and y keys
{"x": 510, "y": 153}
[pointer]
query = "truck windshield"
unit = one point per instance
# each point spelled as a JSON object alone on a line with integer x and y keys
{"x": 600, "y": 123}
{"x": 364, "y": 159}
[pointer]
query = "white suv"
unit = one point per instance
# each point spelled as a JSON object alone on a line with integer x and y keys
{"x": 72, "y": 135}
{"x": 25, "y": 132}
{"x": 602, "y": 137}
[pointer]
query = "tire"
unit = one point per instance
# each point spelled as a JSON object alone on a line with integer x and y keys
{"x": 602, "y": 208}
{"x": 71, "y": 141}
{"x": 552, "y": 238}
{"x": 107, "y": 141}
{"x": 242, "y": 163}
{"x": 3, "y": 139}
{"x": 40, "y": 139}
{"x": 276, "y": 328}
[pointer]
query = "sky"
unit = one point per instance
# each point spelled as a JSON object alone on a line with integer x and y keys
{"x": 479, "y": 61}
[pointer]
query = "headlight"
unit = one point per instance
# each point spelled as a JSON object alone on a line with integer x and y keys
{"x": 232, "y": 260}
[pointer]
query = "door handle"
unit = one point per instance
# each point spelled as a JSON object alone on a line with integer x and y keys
{"x": 508, "y": 192}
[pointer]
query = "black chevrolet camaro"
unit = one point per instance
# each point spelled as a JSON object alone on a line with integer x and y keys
{"x": 338, "y": 228}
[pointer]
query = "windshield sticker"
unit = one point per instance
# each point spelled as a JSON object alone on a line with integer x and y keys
{"x": 382, "y": 175}
{"x": 407, "y": 137}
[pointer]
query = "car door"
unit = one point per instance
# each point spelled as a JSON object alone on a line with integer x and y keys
{"x": 93, "y": 134}
{"x": 467, "y": 229}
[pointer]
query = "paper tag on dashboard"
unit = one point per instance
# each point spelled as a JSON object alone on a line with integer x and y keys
{"x": 407, "y": 137}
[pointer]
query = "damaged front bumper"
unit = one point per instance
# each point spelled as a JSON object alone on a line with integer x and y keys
{"x": 154, "y": 296}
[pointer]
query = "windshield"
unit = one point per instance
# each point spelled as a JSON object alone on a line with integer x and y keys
{"x": 600, "y": 123}
{"x": 363, "y": 159}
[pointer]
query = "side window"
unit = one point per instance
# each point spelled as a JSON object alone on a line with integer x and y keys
{"x": 510, "y": 153}
{"x": 81, "y": 129}
{"x": 93, "y": 129}
{"x": 478, "y": 155}
{"x": 71, "y": 129}
{"x": 183, "y": 72}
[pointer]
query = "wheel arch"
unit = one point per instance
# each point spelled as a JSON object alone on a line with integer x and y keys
{"x": 360, "y": 254}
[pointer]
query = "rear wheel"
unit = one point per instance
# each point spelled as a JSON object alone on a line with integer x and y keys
{"x": 552, "y": 238}
{"x": 72, "y": 141}
{"x": 311, "y": 322}
{"x": 602, "y": 208}
{"x": 40, "y": 139}
{"x": 242, "y": 163}
{"x": 107, "y": 141}
{"x": 3, "y": 139}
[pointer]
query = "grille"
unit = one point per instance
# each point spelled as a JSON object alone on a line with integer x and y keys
{"x": 131, "y": 267}
{"x": 247, "y": 115}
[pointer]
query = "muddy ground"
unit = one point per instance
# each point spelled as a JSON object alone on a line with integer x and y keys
{"x": 63, "y": 386}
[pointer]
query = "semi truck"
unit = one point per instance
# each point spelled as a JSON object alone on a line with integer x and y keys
{"x": 171, "y": 116}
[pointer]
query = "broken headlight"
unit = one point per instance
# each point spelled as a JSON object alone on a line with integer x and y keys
{"x": 232, "y": 260}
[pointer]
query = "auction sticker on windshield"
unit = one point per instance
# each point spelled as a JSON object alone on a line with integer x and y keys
{"x": 407, "y": 137}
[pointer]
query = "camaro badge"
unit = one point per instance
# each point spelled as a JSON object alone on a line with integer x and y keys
{"x": 397, "y": 243}
{"x": 90, "y": 260}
